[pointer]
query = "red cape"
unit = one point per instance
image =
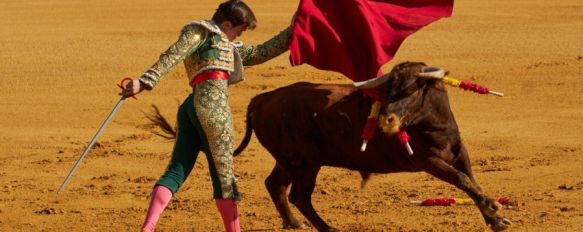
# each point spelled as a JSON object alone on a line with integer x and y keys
{"x": 356, "y": 37}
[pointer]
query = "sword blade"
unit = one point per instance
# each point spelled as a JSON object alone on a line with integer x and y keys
{"x": 107, "y": 120}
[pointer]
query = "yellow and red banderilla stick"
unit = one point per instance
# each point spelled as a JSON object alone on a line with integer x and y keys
{"x": 466, "y": 85}
{"x": 448, "y": 201}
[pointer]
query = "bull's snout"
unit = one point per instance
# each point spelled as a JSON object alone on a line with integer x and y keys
{"x": 390, "y": 124}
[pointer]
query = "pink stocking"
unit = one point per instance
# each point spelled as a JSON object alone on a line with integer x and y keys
{"x": 228, "y": 210}
{"x": 158, "y": 202}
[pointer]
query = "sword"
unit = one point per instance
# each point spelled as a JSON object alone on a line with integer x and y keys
{"x": 107, "y": 120}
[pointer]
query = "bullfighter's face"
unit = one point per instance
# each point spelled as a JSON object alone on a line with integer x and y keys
{"x": 231, "y": 30}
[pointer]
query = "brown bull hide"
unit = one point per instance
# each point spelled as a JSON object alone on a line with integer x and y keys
{"x": 306, "y": 126}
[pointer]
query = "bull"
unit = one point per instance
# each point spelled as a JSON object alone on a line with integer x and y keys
{"x": 306, "y": 126}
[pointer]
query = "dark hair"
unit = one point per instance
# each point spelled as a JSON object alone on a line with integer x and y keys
{"x": 236, "y": 12}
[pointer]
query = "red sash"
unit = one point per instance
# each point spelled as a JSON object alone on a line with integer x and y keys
{"x": 209, "y": 75}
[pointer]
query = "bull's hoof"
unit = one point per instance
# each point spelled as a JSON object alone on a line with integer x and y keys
{"x": 492, "y": 207}
{"x": 501, "y": 224}
{"x": 330, "y": 229}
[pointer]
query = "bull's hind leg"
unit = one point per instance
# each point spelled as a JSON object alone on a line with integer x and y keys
{"x": 277, "y": 183}
{"x": 488, "y": 206}
{"x": 303, "y": 183}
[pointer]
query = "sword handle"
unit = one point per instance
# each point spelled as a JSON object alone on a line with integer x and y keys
{"x": 121, "y": 85}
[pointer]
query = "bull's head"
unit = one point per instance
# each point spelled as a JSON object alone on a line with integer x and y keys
{"x": 403, "y": 90}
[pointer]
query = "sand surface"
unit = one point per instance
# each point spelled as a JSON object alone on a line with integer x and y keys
{"x": 61, "y": 59}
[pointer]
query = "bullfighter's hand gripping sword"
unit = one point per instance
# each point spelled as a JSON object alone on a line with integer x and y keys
{"x": 107, "y": 120}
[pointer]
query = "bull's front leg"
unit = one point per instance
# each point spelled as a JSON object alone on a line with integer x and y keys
{"x": 488, "y": 206}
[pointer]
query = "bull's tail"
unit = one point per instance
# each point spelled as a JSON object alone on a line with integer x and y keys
{"x": 248, "y": 133}
{"x": 157, "y": 120}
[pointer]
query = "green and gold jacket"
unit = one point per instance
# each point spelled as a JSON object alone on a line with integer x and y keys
{"x": 203, "y": 46}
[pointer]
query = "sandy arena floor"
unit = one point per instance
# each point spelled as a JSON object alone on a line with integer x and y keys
{"x": 61, "y": 59}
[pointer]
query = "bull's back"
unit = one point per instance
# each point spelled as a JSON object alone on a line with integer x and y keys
{"x": 283, "y": 119}
{"x": 301, "y": 96}
{"x": 321, "y": 123}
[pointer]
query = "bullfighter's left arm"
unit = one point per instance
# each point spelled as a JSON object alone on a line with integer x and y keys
{"x": 253, "y": 55}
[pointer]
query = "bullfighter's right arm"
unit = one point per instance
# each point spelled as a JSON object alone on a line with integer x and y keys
{"x": 190, "y": 39}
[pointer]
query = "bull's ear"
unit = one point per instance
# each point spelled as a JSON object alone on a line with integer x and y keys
{"x": 432, "y": 72}
{"x": 372, "y": 83}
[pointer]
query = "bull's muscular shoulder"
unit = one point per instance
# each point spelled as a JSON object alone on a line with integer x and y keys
{"x": 332, "y": 92}
{"x": 306, "y": 95}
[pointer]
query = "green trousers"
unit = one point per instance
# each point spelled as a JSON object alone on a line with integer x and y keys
{"x": 192, "y": 138}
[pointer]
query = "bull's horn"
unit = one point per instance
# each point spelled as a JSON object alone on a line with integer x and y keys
{"x": 432, "y": 72}
{"x": 372, "y": 82}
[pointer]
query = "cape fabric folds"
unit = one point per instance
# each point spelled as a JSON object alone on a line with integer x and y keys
{"x": 356, "y": 37}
